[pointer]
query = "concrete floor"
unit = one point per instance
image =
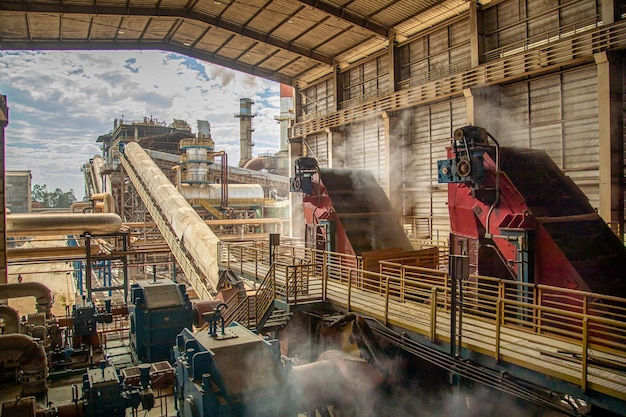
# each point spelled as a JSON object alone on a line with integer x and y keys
{"x": 57, "y": 276}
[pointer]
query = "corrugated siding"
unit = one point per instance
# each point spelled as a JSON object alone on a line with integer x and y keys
{"x": 318, "y": 99}
{"x": 512, "y": 23}
{"x": 367, "y": 80}
{"x": 431, "y": 129}
{"x": 318, "y": 146}
{"x": 438, "y": 53}
{"x": 365, "y": 147}
{"x": 558, "y": 114}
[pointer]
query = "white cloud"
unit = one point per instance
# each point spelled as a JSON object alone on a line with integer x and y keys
{"x": 60, "y": 102}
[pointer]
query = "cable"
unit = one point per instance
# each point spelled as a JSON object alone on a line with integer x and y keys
{"x": 496, "y": 200}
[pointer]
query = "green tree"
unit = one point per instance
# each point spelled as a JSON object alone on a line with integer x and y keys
{"x": 53, "y": 199}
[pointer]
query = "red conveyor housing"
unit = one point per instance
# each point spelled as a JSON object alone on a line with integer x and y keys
{"x": 359, "y": 208}
{"x": 568, "y": 245}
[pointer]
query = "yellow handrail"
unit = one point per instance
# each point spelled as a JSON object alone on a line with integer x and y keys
{"x": 592, "y": 326}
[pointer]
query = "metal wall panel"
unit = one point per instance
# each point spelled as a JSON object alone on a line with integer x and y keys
{"x": 431, "y": 130}
{"x": 512, "y": 24}
{"x": 367, "y": 80}
{"x": 562, "y": 119}
{"x": 365, "y": 145}
{"x": 318, "y": 99}
{"x": 437, "y": 53}
{"x": 317, "y": 147}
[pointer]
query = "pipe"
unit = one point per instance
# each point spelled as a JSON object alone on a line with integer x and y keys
{"x": 56, "y": 224}
{"x": 26, "y": 289}
{"x": 80, "y": 207}
{"x": 11, "y": 319}
{"x": 107, "y": 200}
{"x": 31, "y": 357}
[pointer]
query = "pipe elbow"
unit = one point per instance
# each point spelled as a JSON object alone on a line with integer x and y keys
{"x": 25, "y": 289}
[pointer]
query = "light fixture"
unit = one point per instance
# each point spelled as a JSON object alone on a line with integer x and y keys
{"x": 187, "y": 44}
{"x": 290, "y": 21}
{"x": 218, "y": 2}
{"x": 121, "y": 32}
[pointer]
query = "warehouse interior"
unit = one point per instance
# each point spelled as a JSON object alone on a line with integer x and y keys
{"x": 456, "y": 199}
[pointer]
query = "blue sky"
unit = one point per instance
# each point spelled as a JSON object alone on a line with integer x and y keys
{"x": 60, "y": 102}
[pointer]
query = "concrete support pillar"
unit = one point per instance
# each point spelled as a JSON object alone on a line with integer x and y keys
{"x": 296, "y": 150}
{"x": 482, "y": 105}
{"x": 4, "y": 122}
{"x": 337, "y": 89}
{"x": 296, "y": 220}
{"x": 476, "y": 35}
{"x": 610, "y": 10}
{"x": 395, "y": 132}
{"x": 611, "y": 140}
{"x": 394, "y": 64}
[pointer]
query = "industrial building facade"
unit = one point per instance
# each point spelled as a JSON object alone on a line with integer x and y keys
{"x": 383, "y": 86}
{"x": 537, "y": 74}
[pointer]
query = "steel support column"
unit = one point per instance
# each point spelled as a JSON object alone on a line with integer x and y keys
{"x": 483, "y": 108}
{"x": 396, "y": 132}
{"x": 4, "y": 121}
{"x": 611, "y": 140}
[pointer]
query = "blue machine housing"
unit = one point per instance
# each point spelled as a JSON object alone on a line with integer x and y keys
{"x": 233, "y": 373}
{"x": 159, "y": 311}
{"x": 105, "y": 394}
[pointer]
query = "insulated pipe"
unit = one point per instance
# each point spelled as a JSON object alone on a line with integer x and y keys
{"x": 31, "y": 357}
{"x": 80, "y": 207}
{"x": 107, "y": 200}
{"x": 55, "y": 224}
{"x": 11, "y": 319}
{"x": 26, "y": 289}
{"x": 98, "y": 166}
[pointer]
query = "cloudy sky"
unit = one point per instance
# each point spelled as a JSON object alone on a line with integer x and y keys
{"x": 60, "y": 102}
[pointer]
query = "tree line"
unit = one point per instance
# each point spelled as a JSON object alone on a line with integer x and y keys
{"x": 53, "y": 199}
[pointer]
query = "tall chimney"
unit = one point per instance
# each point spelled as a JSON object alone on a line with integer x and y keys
{"x": 245, "y": 130}
{"x": 287, "y": 116}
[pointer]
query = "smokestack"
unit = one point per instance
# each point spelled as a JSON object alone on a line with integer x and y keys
{"x": 245, "y": 126}
{"x": 287, "y": 115}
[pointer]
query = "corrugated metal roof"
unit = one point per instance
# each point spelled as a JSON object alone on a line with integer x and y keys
{"x": 294, "y": 42}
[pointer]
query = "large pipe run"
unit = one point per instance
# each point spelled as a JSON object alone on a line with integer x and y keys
{"x": 55, "y": 224}
{"x": 196, "y": 237}
{"x": 103, "y": 203}
{"x": 31, "y": 357}
{"x": 11, "y": 319}
{"x": 29, "y": 289}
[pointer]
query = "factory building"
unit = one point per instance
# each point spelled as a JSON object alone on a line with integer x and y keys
{"x": 456, "y": 227}
{"x": 18, "y": 196}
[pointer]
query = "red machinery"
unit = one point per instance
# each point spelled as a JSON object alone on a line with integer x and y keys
{"x": 346, "y": 211}
{"x": 519, "y": 217}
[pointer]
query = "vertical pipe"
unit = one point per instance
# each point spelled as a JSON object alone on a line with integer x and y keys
{"x": 125, "y": 266}
{"x": 4, "y": 121}
{"x": 585, "y": 354}
{"x": 88, "y": 265}
{"x": 433, "y": 315}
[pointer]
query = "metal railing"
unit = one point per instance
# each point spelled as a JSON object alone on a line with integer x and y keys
{"x": 577, "y": 336}
{"x": 576, "y": 48}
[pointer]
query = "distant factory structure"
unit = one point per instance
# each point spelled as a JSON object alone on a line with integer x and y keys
{"x": 18, "y": 191}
